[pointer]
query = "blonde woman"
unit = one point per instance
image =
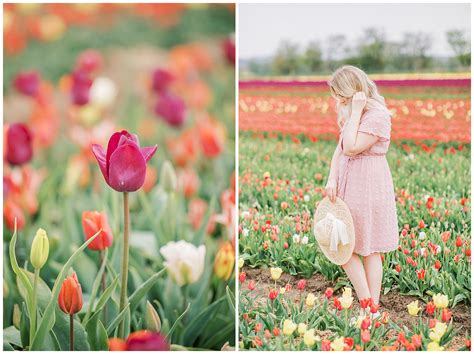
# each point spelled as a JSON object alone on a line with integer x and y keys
{"x": 360, "y": 175}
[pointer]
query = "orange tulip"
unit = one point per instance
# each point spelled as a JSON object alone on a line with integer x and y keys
{"x": 92, "y": 222}
{"x": 70, "y": 295}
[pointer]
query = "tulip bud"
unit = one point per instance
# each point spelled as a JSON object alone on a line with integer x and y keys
{"x": 70, "y": 295}
{"x": 224, "y": 262}
{"x": 16, "y": 316}
{"x": 152, "y": 319}
{"x": 39, "y": 249}
{"x": 168, "y": 177}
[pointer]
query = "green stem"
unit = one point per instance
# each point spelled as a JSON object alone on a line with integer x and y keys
{"x": 71, "y": 332}
{"x": 104, "y": 285}
{"x": 123, "y": 289}
{"x": 34, "y": 310}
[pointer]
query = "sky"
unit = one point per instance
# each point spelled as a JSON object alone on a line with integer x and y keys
{"x": 263, "y": 26}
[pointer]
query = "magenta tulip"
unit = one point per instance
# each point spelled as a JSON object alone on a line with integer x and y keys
{"x": 81, "y": 84}
{"x": 27, "y": 82}
{"x": 161, "y": 79}
{"x": 171, "y": 108}
{"x": 124, "y": 164}
{"x": 19, "y": 144}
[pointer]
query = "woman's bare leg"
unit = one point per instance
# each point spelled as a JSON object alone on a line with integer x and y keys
{"x": 356, "y": 273}
{"x": 373, "y": 272}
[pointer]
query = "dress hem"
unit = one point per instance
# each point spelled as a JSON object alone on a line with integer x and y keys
{"x": 365, "y": 254}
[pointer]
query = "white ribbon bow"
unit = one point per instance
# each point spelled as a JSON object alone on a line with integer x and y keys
{"x": 338, "y": 231}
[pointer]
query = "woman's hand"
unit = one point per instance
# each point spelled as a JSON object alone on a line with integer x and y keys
{"x": 331, "y": 190}
{"x": 359, "y": 100}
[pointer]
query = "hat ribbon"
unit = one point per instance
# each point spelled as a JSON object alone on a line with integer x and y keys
{"x": 338, "y": 231}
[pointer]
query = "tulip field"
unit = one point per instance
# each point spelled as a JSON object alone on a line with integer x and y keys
{"x": 119, "y": 187}
{"x": 291, "y": 296}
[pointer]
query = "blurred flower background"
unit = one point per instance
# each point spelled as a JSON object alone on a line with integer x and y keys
{"x": 73, "y": 75}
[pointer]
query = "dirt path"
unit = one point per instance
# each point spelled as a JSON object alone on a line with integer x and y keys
{"x": 394, "y": 302}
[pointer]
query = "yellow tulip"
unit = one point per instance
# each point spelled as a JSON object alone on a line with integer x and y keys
{"x": 288, "y": 327}
{"x": 266, "y": 175}
{"x": 338, "y": 344}
{"x": 224, "y": 261}
{"x": 241, "y": 263}
{"x": 309, "y": 338}
{"x": 39, "y": 249}
{"x": 310, "y": 300}
{"x": 434, "y": 347}
{"x": 438, "y": 331}
{"x": 302, "y": 328}
{"x": 347, "y": 293}
{"x": 282, "y": 291}
{"x": 276, "y": 273}
{"x": 413, "y": 308}
{"x": 346, "y": 302}
{"x": 441, "y": 301}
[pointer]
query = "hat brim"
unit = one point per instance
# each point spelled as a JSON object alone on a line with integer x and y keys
{"x": 341, "y": 211}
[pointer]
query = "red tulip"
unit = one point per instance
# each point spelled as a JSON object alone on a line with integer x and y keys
{"x": 365, "y": 336}
{"x": 12, "y": 211}
{"x": 161, "y": 80}
{"x": 430, "y": 308}
{"x": 242, "y": 277}
{"x": 147, "y": 341}
{"x": 446, "y": 315}
{"x": 421, "y": 224}
{"x": 258, "y": 327}
{"x": 337, "y": 304}
{"x": 374, "y": 307}
{"x": 251, "y": 285}
{"x": 81, "y": 84}
{"x": 276, "y": 331}
{"x": 273, "y": 294}
{"x": 328, "y": 293}
{"x": 124, "y": 164}
{"x": 364, "y": 303}
{"x": 229, "y": 50}
{"x": 416, "y": 340}
{"x": 92, "y": 222}
{"x": 349, "y": 343}
{"x": 27, "y": 82}
{"x": 365, "y": 324}
{"x": 19, "y": 144}
{"x": 421, "y": 274}
{"x": 437, "y": 264}
{"x": 301, "y": 284}
{"x": 458, "y": 241}
{"x": 326, "y": 345}
{"x": 398, "y": 268}
{"x": 70, "y": 295}
{"x": 212, "y": 137}
{"x": 171, "y": 108}
{"x": 432, "y": 322}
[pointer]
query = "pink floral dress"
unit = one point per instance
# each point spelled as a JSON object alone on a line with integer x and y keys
{"x": 365, "y": 184}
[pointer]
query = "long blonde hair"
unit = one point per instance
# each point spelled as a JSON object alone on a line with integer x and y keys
{"x": 348, "y": 80}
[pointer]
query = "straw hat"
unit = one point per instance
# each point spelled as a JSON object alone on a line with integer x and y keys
{"x": 334, "y": 230}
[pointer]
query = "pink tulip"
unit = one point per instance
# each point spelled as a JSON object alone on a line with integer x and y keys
{"x": 161, "y": 79}
{"x": 171, "y": 108}
{"x": 27, "y": 82}
{"x": 19, "y": 148}
{"x": 81, "y": 84}
{"x": 124, "y": 164}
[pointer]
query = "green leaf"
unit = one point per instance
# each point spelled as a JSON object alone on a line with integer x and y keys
{"x": 141, "y": 291}
{"x": 47, "y": 322}
{"x": 195, "y": 327}
{"x": 170, "y": 333}
{"x": 24, "y": 326}
{"x": 95, "y": 333}
{"x": 117, "y": 320}
{"x": 12, "y": 335}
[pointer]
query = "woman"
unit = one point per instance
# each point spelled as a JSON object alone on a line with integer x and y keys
{"x": 360, "y": 176}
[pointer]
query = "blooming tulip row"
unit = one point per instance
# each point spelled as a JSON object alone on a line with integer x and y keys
{"x": 297, "y": 319}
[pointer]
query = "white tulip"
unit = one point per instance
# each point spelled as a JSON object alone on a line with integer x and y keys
{"x": 103, "y": 92}
{"x": 422, "y": 235}
{"x": 245, "y": 214}
{"x": 306, "y": 198}
{"x": 184, "y": 261}
{"x": 245, "y": 232}
{"x": 304, "y": 240}
{"x": 296, "y": 238}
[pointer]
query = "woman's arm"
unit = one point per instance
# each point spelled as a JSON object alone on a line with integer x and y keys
{"x": 355, "y": 142}
{"x": 331, "y": 185}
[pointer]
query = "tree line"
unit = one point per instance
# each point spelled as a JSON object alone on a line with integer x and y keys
{"x": 372, "y": 52}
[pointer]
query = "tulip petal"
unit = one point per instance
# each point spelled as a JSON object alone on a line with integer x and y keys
{"x": 100, "y": 156}
{"x": 114, "y": 142}
{"x": 127, "y": 169}
{"x": 148, "y": 152}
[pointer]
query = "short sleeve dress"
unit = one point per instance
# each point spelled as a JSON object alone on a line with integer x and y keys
{"x": 364, "y": 182}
